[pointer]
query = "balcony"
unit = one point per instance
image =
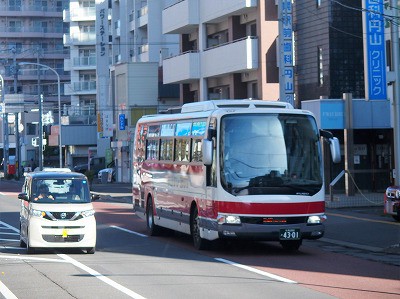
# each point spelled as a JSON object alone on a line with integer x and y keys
{"x": 31, "y": 32}
{"x": 187, "y": 63}
{"x": 80, "y": 14}
{"x": 80, "y": 88}
{"x": 143, "y": 16}
{"x": 84, "y": 38}
{"x": 182, "y": 17}
{"x": 26, "y": 10}
{"x": 223, "y": 9}
{"x": 80, "y": 63}
{"x": 237, "y": 56}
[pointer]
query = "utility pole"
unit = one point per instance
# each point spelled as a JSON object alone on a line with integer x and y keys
{"x": 41, "y": 132}
{"x": 396, "y": 90}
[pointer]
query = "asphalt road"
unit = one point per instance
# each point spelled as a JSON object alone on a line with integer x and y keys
{"x": 129, "y": 264}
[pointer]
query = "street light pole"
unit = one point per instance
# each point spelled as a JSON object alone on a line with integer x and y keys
{"x": 5, "y": 128}
{"x": 59, "y": 105}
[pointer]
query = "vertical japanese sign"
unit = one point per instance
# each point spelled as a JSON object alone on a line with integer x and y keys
{"x": 374, "y": 50}
{"x": 102, "y": 69}
{"x": 286, "y": 57}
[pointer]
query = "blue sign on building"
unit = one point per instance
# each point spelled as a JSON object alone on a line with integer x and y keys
{"x": 122, "y": 122}
{"x": 375, "y": 50}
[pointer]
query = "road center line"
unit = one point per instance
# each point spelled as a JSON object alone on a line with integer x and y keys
{"x": 39, "y": 259}
{"x": 254, "y": 270}
{"x": 128, "y": 231}
{"x": 99, "y": 276}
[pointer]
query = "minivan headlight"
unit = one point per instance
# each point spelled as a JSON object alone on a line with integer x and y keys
{"x": 87, "y": 213}
{"x": 37, "y": 213}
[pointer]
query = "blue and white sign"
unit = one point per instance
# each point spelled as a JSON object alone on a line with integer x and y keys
{"x": 374, "y": 50}
{"x": 121, "y": 122}
{"x": 286, "y": 59}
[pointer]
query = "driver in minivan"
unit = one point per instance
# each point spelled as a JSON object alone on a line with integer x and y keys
{"x": 43, "y": 193}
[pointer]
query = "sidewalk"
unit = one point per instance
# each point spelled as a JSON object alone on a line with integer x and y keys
{"x": 113, "y": 192}
{"x": 358, "y": 200}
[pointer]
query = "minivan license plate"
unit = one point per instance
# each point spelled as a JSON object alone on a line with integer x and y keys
{"x": 289, "y": 234}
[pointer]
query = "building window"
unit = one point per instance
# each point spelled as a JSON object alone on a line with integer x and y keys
{"x": 319, "y": 2}
{"x": 320, "y": 67}
{"x": 31, "y": 129}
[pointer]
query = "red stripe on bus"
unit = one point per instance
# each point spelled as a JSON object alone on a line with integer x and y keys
{"x": 271, "y": 208}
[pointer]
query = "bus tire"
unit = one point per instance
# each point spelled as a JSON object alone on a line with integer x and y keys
{"x": 198, "y": 242}
{"x": 291, "y": 245}
{"x": 152, "y": 228}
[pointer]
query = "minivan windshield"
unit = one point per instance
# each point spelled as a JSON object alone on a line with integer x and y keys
{"x": 60, "y": 191}
{"x": 270, "y": 154}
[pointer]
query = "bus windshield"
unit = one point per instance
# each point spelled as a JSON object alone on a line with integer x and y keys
{"x": 270, "y": 154}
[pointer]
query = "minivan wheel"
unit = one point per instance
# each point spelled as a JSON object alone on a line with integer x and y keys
{"x": 91, "y": 250}
{"x": 21, "y": 242}
{"x": 29, "y": 249}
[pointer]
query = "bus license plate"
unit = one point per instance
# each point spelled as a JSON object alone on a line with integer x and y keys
{"x": 289, "y": 234}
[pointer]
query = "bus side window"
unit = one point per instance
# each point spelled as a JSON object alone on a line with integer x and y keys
{"x": 152, "y": 150}
{"x": 197, "y": 155}
{"x": 182, "y": 150}
{"x": 166, "y": 150}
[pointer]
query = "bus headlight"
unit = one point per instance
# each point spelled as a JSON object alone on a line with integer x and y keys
{"x": 228, "y": 219}
{"x": 316, "y": 219}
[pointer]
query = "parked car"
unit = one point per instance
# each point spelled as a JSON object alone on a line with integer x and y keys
{"x": 56, "y": 211}
{"x": 109, "y": 172}
{"x": 392, "y": 202}
{"x": 96, "y": 164}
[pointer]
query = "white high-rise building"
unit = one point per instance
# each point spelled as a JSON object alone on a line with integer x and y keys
{"x": 31, "y": 34}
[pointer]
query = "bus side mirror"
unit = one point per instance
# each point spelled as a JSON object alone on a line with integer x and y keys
{"x": 335, "y": 149}
{"x": 207, "y": 152}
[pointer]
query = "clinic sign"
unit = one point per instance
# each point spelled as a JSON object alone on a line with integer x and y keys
{"x": 286, "y": 57}
{"x": 374, "y": 50}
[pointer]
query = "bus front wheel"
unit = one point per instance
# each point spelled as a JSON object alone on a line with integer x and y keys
{"x": 198, "y": 242}
{"x": 152, "y": 228}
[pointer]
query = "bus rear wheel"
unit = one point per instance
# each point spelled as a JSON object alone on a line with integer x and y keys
{"x": 152, "y": 228}
{"x": 198, "y": 242}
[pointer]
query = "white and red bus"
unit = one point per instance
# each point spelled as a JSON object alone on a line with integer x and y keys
{"x": 232, "y": 169}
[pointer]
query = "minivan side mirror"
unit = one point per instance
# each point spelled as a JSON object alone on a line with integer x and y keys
{"x": 23, "y": 196}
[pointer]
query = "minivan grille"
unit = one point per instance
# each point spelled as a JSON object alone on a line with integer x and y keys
{"x": 54, "y": 216}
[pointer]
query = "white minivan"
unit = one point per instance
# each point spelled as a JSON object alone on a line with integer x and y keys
{"x": 56, "y": 211}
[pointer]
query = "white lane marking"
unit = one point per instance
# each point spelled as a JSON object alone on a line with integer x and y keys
{"x": 6, "y": 292}
{"x": 128, "y": 231}
{"x": 106, "y": 280}
{"x": 30, "y": 258}
{"x": 270, "y": 275}
{"x": 2, "y": 193}
{"x": 9, "y": 227}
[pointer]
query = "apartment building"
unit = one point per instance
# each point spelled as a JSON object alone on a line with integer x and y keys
{"x": 137, "y": 51}
{"x": 31, "y": 36}
{"x": 228, "y": 49}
